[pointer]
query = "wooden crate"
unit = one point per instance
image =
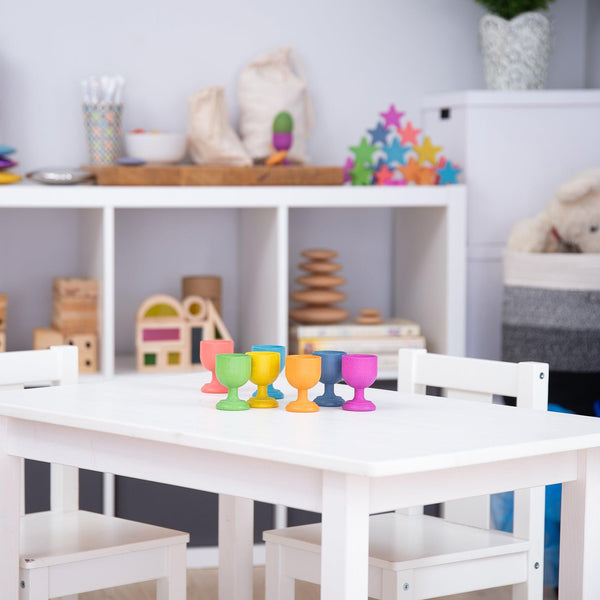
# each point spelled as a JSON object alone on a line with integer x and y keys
{"x": 193, "y": 175}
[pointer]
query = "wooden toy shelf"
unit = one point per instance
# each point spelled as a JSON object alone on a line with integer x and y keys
{"x": 403, "y": 248}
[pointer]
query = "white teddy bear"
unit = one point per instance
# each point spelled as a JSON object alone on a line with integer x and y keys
{"x": 570, "y": 223}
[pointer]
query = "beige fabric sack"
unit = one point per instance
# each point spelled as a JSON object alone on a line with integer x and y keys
{"x": 271, "y": 83}
{"x": 211, "y": 139}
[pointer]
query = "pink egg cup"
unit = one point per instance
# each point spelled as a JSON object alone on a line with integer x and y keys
{"x": 208, "y": 353}
{"x": 359, "y": 371}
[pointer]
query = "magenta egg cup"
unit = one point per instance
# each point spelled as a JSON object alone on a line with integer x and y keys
{"x": 359, "y": 371}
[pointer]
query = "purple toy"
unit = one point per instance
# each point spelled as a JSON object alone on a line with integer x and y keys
{"x": 359, "y": 371}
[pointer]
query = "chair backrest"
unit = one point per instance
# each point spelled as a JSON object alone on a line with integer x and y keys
{"x": 480, "y": 380}
{"x": 56, "y": 366}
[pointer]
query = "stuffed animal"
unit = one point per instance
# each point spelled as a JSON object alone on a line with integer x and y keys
{"x": 570, "y": 223}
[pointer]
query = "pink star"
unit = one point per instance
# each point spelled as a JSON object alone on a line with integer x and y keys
{"x": 392, "y": 116}
{"x": 347, "y": 168}
{"x": 409, "y": 134}
{"x": 395, "y": 182}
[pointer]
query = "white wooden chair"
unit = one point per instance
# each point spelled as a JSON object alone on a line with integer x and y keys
{"x": 438, "y": 556}
{"x": 66, "y": 551}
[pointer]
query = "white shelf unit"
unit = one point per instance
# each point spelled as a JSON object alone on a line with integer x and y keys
{"x": 515, "y": 149}
{"x": 142, "y": 240}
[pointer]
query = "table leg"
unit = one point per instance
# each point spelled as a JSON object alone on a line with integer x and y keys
{"x": 10, "y": 513}
{"x": 345, "y": 537}
{"x": 236, "y": 542}
{"x": 579, "y": 575}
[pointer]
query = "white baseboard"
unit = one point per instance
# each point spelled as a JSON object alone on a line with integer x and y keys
{"x": 207, "y": 557}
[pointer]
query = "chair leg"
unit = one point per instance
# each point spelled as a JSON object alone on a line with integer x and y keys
{"x": 278, "y": 586}
{"x": 174, "y": 586}
{"x": 397, "y": 585}
{"x": 34, "y": 584}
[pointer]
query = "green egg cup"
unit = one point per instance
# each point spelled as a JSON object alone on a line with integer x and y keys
{"x": 233, "y": 371}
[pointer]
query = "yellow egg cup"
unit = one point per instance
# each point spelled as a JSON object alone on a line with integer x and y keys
{"x": 264, "y": 371}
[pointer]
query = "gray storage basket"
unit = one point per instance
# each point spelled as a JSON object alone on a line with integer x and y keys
{"x": 551, "y": 310}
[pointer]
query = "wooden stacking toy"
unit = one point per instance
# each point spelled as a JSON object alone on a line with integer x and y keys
{"x": 320, "y": 296}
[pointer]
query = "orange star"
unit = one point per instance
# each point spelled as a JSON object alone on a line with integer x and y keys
{"x": 410, "y": 171}
{"x": 427, "y": 151}
{"x": 409, "y": 134}
{"x": 427, "y": 177}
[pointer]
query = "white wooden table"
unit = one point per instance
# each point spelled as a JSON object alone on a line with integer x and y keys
{"x": 411, "y": 450}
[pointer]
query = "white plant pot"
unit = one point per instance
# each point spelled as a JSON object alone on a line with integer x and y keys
{"x": 515, "y": 53}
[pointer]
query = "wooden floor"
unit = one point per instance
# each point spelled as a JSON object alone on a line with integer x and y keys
{"x": 202, "y": 584}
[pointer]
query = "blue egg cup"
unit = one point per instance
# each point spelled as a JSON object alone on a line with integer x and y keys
{"x": 272, "y": 391}
{"x": 331, "y": 373}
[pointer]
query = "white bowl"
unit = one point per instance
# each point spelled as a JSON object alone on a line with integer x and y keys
{"x": 156, "y": 147}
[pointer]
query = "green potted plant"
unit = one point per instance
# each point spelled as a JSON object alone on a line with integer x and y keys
{"x": 515, "y": 43}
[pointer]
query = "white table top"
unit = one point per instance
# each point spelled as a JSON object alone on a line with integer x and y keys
{"x": 406, "y": 434}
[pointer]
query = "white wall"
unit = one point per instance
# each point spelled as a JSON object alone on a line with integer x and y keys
{"x": 358, "y": 57}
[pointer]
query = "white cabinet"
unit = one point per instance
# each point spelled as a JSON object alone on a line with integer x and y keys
{"x": 402, "y": 249}
{"x": 515, "y": 148}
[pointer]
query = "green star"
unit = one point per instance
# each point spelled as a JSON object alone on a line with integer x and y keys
{"x": 361, "y": 175}
{"x": 364, "y": 152}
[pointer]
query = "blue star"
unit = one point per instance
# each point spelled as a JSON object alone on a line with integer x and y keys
{"x": 379, "y": 164}
{"x": 448, "y": 173}
{"x": 379, "y": 134}
{"x": 396, "y": 152}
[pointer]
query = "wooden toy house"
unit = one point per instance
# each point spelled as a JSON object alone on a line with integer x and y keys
{"x": 169, "y": 332}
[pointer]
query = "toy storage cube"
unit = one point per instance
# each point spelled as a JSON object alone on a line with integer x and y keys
{"x": 75, "y": 305}
{"x": 87, "y": 345}
{"x": 44, "y": 337}
{"x": 2, "y": 312}
{"x": 550, "y": 314}
{"x": 515, "y": 148}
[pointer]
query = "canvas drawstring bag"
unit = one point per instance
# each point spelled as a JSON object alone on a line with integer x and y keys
{"x": 211, "y": 138}
{"x": 271, "y": 83}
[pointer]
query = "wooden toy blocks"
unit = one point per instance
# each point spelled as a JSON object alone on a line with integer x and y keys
{"x": 44, "y": 337}
{"x": 87, "y": 346}
{"x": 74, "y": 305}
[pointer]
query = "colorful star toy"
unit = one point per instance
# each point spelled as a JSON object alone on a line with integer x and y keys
{"x": 410, "y": 171}
{"x": 379, "y": 134}
{"x": 427, "y": 151}
{"x": 395, "y": 157}
{"x": 383, "y": 175}
{"x": 395, "y": 152}
{"x": 361, "y": 175}
{"x": 364, "y": 152}
{"x": 448, "y": 173}
{"x": 409, "y": 134}
{"x": 392, "y": 116}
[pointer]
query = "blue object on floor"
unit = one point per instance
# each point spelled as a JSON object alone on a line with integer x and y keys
{"x": 502, "y": 506}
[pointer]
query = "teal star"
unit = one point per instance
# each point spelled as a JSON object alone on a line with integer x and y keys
{"x": 361, "y": 175}
{"x": 364, "y": 152}
{"x": 396, "y": 152}
{"x": 448, "y": 173}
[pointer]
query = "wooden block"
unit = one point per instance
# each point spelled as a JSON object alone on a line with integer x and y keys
{"x": 217, "y": 175}
{"x": 2, "y": 341}
{"x": 44, "y": 337}
{"x": 87, "y": 346}
{"x": 75, "y": 287}
{"x": 2, "y": 312}
{"x": 74, "y": 305}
